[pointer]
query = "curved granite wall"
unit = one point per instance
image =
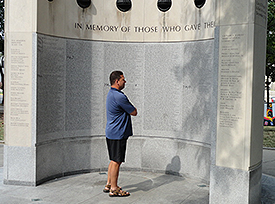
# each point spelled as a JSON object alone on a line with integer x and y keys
{"x": 171, "y": 84}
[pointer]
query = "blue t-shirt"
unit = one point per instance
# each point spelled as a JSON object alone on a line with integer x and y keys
{"x": 118, "y": 109}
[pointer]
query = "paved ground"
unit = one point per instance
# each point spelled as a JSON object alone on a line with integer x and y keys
{"x": 87, "y": 188}
{"x": 269, "y": 162}
{"x": 145, "y": 188}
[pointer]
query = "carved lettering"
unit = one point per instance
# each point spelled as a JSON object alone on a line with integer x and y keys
{"x": 146, "y": 29}
{"x": 192, "y": 27}
{"x": 210, "y": 24}
{"x": 105, "y": 28}
{"x": 78, "y": 26}
{"x": 171, "y": 28}
{"x": 125, "y": 29}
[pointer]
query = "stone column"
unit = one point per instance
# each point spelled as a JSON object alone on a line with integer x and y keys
{"x": 20, "y": 113}
{"x": 240, "y": 60}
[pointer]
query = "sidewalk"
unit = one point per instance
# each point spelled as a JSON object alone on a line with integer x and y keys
{"x": 269, "y": 161}
{"x": 145, "y": 187}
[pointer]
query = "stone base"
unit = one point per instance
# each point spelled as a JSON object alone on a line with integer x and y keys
{"x": 235, "y": 186}
{"x": 65, "y": 157}
{"x": 19, "y": 166}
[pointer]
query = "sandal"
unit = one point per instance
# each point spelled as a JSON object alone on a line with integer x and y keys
{"x": 108, "y": 187}
{"x": 118, "y": 193}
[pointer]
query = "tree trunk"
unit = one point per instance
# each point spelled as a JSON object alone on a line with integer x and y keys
{"x": 2, "y": 76}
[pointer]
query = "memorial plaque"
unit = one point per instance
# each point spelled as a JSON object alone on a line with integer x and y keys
{"x": 162, "y": 108}
{"x": 19, "y": 113}
{"x": 197, "y": 82}
{"x": 78, "y": 85}
{"x": 232, "y": 93}
{"x": 51, "y": 85}
{"x": 99, "y": 89}
{"x": 121, "y": 57}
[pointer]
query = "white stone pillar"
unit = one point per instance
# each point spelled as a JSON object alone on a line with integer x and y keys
{"x": 20, "y": 100}
{"x": 240, "y": 59}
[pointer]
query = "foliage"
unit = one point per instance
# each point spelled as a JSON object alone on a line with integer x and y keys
{"x": 1, "y": 128}
{"x": 270, "y": 46}
{"x": 2, "y": 21}
{"x": 269, "y": 136}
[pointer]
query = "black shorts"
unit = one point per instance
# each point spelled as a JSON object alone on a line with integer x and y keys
{"x": 116, "y": 149}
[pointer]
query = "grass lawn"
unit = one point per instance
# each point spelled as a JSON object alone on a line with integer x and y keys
{"x": 269, "y": 136}
{"x": 1, "y": 127}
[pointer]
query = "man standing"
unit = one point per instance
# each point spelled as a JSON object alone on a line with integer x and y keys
{"x": 118, "y": 129}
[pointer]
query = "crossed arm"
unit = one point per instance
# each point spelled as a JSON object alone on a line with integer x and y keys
{"x": 134, "y": 113}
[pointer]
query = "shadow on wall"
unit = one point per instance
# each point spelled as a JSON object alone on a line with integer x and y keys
{"x": 196, "y": 74}
{"x": 174, "y": 167}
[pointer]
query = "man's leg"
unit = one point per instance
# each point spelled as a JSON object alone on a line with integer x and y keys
{"x": 113, "y": 172}
{"x": 110, "y": 169}
{"x": 116, "y": 149}
{"x": 109, "y": 172}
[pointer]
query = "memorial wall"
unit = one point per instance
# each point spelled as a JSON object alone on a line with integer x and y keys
{"x": 63, "y": 59}
{"x": 168, "y": 63}
{"x": 190, "y": 72}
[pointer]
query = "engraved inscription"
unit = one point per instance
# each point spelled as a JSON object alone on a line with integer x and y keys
{"x": 19, "y": 107}
{"x": 145, "y": 29}
{"x": 230, "y": 79}
{"x": 51, "y": 85}
{"x": 261, "y": 10}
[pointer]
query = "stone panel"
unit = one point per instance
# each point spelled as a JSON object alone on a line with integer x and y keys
{"x": 78, "y": 85}
{"x": 19, "y": 84}
{"x": 157, "y": 153}
{"x": 144, "y": 22}
{"x": 51, "y": 86}
{"x": 68, "y": 156}
{"x": 238, "y": 189}
{"x": 20, "y": 166}
{"x": 81, "y": 86}
{"x": 172, "y": 156}
{"x": 195, "y": 159}
{"x": 50, "y": 160}
{"x": 134, "y": 153}
{"x": 178, "y": 89}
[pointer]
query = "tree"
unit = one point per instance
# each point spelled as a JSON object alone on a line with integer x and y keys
{"x": 2, "y": 21}
{"x": 270, "y": 47}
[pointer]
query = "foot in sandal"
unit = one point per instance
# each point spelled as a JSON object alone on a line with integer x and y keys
{"x": 118, "y": 193}
{"x": 108, "y": 187}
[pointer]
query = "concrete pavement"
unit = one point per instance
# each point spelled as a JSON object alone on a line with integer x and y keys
{"x": 145, "y": 187}
{"x": 268, "y": 178}
{"x": 269, "y": 161}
